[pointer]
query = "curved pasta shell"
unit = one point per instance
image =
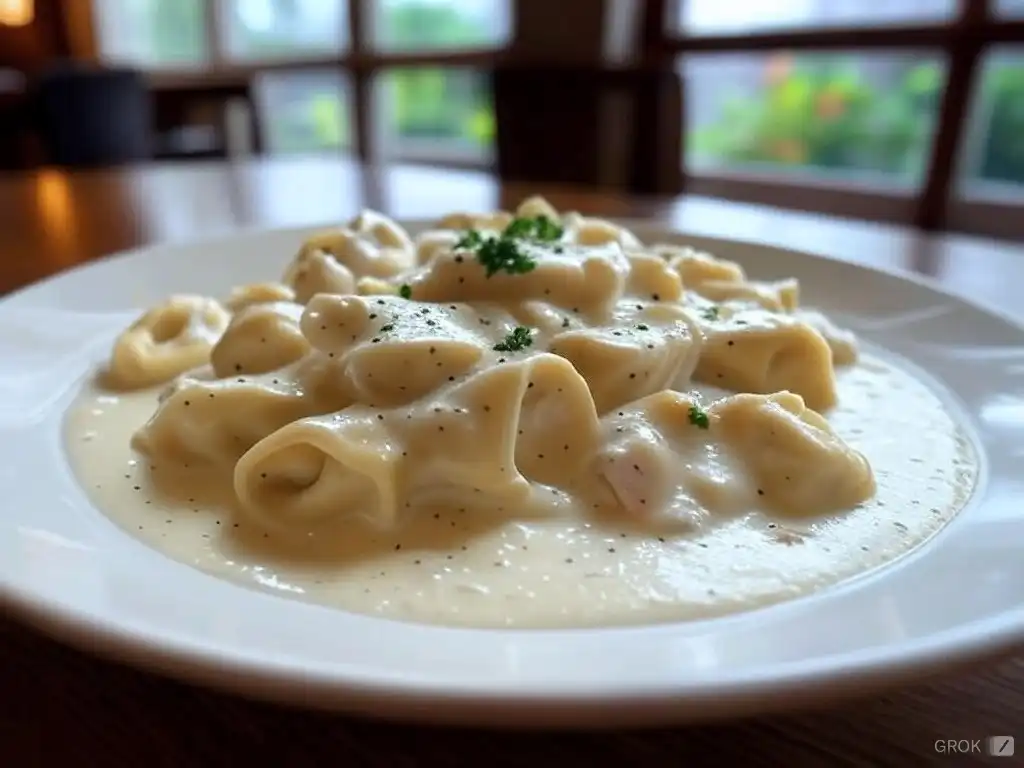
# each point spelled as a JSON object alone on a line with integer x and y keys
{"x": 316, "y": 272}
{"x": 394, "y": 351}
{"x": 318, "y": 470}
{"x": 258, "y": 293}
{"x": 780, "y": 296}
{"x": 651, "y": 278}
{"x": 588, "y": 231}
{"x": 766, "y": 354}
{"x": 800, "y": 465}
{"x": 215, "y": 422}
{"x": 532, "y": 419}
{"x": 620, "y": 369}
{"x": 168, "y": 340}
{"x": 585, "y": 280}
{"x": 695, "y": 267}
{"x": 260, "y": 338}
{"x": 492, "y": 222}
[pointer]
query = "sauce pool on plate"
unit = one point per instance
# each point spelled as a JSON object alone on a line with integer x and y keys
{"x": 525, "y": 421}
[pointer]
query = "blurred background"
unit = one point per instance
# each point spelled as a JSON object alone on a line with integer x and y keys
{"x": 908, "y": 111}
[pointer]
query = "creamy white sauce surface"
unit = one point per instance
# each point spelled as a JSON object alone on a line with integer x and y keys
{"x": 454, "y": 567}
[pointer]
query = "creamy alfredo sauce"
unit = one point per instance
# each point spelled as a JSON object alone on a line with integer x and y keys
{"x": 453, "y": 567}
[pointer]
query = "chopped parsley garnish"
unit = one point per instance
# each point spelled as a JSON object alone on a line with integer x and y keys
{"x": 470, "y": 239}
{"x": 502, "y": 253}
{"x": 710, "y": 313}
{"x": 386, "y": 328}
{"x": 405, "y": 291}
{"x": 699, "y": 417}
{"x": 520, "y": 338}
{"x": 538, "y": 228}
{"x": 642, "y": 327}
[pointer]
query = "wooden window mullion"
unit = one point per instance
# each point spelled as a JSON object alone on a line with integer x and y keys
{"x": 964, "y": 48}
{"x": 213, "y": 28}
{"x": 364, "y": 119}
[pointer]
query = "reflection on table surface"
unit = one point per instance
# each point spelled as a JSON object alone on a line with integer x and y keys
{"x": 53, "y": 220}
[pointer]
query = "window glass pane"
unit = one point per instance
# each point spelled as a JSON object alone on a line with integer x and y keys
{"x": 261, "y": 29}
{"x": 304, "y": 112}
{"x": 1009, "y": 7}
{"x": 726, "y": 16}
{"x": 992, "y": 163}
{"x": 406, "y": 25}
{"x": 151, "y": 33}
{"x": 437, "y": 112}
{"x": 868, "y": 117}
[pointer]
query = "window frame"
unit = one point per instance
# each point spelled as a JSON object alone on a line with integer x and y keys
{"x": 936, "y": 204}
{"x": 655, "y": 44}
{"x": 358, "y": 61}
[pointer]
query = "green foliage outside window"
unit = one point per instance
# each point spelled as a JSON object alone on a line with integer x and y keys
{"x": 425, "y": 102}
{"x": 829, "y": 116}
{"x": 811, "y": 113}
{"x": 1002, "y": 96}
{"x": 431, "y": 103}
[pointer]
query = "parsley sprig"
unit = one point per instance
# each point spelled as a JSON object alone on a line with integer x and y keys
{"x": 536, "y": 228}
{"x": 503, "y": 253}
{"x": 518, "y": 339}
{"x": 405, "y": 291}
{"x": 710, "y": 313}
{"x": 699, "y": 417}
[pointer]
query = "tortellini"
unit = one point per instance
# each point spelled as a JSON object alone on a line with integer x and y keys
{"x": 316, "y": 271}
{"x": 215, "y": 422}
{"x": 260, "y": 338}
{"x": 370, "y": 245}
{"x": 778, "y": 438}
{"x": 587, "y": 280}
{"x": 500, "y": 361}
{"x": 696, "y": 267}
{"x": 166, "y": 341}
{"x": 781, "y": 296}
{"x": 258, "y": 293}
{"x": 774, "y": 453}
{"x": 760, "y": 352}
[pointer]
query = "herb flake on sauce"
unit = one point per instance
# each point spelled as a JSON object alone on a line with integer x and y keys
{"x": 699, "y": 417}
{"x": 518, "y": 339}
{"x": 503, "y": 253}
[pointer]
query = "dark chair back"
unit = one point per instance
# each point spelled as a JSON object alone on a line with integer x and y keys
{"x": 94, "y": 117}
{"x": 547, "y": 125}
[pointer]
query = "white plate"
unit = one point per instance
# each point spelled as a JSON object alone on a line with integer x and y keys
{"x": 67, "y": 569}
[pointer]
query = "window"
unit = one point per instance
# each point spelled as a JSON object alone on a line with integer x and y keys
{"x": 834, "y": 115}
{"x": 272, "y": 29}
{"x": 993, "y": 161}
{"x": 794, "y": 128}
{"x": 152, "y": 33}
{"x": 424, "y": 25}
{"x": 1012, "y": 8}
{"x": 304, "y": 112}
{"x": 437, "y": 112}
{"x": 427, "y": 112}
{"x": 739, "y": 16}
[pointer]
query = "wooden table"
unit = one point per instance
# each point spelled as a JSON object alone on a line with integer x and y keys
{"x": 62, "y": 707}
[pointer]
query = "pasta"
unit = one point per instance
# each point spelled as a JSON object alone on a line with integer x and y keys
{"x": 504, "y": 361}
{"x": 166, "y": 341}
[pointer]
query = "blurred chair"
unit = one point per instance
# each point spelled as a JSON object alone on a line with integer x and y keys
{"x": 547, "y": 125}
{"x": 90, "y": 117}
{"x": 588, "y": 127}
{"x": 14, "y": 128}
